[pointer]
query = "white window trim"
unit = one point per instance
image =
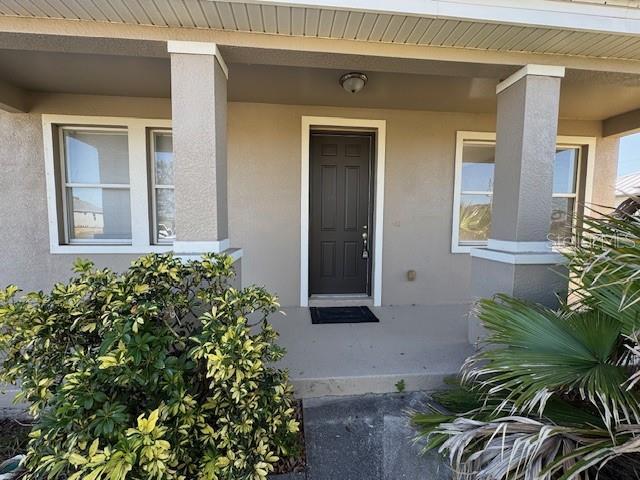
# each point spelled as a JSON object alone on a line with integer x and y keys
{"x": 154, "y": 186}
{"x": 380, "y": 127}
{"x": 562, "y": 140}
{"x": 138, "y": 174}
{"x": 64, "y": 184}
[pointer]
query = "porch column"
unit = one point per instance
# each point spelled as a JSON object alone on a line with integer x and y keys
{"x": 199, "y": 118}
{"x": 518, "y": 257}
{"x": 199, "y": 122}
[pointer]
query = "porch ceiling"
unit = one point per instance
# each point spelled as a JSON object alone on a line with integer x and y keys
{"x": 298, "y": 78}
{"x": 534, "y": 26}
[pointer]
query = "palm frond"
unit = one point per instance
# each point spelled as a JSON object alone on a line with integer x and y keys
{"x": 605, "y": 267}
{"x": 554, "y": 396}
{"x": 521, "y": 448}
{"x": 539, "y": 352}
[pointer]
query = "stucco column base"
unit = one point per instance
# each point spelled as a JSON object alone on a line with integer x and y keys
{"x": 540, "y": 283}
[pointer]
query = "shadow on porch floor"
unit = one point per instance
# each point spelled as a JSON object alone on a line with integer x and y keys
{"x": 418, "y": 344}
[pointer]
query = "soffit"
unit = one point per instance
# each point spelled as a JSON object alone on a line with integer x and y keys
{"x": 388, "y": 25}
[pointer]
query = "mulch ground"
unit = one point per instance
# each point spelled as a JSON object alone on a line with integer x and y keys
{"x": 297, "y": 463}
{"x": 14, "y": 437}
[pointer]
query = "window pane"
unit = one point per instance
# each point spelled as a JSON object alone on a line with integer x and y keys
{"x": 96, "y": 156}
{"x": 163, "y": 160}
{"x": 564, "y": 171}
{"x": 475, "y": 218}
{"x": 561, "y": 220}
{"x": 166, "y": 214}
{"x": 478, "y": 162}
{"x": 99, "y": 213}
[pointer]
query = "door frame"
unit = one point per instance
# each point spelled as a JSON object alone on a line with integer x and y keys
{"x": 379, "y": 127}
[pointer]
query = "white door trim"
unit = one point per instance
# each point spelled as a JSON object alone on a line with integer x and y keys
{"x": 380, "y": 127}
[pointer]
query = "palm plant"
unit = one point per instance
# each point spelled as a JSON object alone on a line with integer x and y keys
{"x": 555, "y": 395}
{"x": 475, "y": 220}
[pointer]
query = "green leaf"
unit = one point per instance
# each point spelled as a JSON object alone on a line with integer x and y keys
{"x": 539, "y": 352}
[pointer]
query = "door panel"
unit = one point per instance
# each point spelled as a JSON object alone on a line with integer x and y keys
{"x": 329, "y": 189}
{"x": 340, "y": 212}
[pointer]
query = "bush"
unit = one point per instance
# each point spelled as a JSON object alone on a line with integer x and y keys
{"x": 161, "y": 372}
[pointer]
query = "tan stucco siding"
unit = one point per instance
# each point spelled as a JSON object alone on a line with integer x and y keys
{"x": 264, "y": 198}
{"x": 605, "y": 171}
{"x": 264, "y": 202}
{"x": 24, "y": 234}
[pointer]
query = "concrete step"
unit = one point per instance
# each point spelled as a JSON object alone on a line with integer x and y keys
{"x": 338, "y": 386}
{"x": 418, "y": 344}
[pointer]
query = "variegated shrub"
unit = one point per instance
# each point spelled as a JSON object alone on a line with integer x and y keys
{"x": 162, "y": 372}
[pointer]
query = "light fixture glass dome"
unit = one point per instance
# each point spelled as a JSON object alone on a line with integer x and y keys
{"x": 353, "y": 82}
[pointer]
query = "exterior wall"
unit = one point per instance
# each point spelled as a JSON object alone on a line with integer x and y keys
{"x": 264, "y": 196}
{"x": 606, "y": 171}
{"x": 264, "y": 176}
{"x": 24, "y": 232}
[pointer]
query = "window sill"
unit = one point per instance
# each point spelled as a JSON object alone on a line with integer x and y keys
{"x": 235, "y": 253}
{"x": 467, "y": 249}
{"x": 109, "y": 249}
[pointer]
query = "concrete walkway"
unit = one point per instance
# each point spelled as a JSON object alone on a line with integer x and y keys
{"x": 417, "y": 344}
{"x": 366, "y": 437}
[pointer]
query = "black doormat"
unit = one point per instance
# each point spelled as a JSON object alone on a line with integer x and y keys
{"x": 320, "y": 315}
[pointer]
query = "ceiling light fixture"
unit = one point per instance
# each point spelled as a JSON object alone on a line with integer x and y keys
{"x": 353, "y": 82}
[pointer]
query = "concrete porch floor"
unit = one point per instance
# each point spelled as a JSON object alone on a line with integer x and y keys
{"x": 418, "y": 344}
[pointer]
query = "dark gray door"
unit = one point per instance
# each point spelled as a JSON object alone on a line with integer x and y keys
{"x": 340, "y": 213}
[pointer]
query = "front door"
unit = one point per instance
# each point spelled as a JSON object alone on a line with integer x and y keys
{"x": 340, "y": 250}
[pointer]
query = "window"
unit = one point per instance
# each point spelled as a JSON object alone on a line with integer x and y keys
{"x": 565, "y": 191}
{"x": 163, "y": 201}
{"x": 475, "y": 163}
{"x": 96, "y": 194}
{"x": 478, "y": 159}
{"x": 100, "y": 193}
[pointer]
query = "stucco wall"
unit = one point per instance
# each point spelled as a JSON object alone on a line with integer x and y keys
{"x": 24, "y": 235}
{"x": 264, "y": 198}
{"x": 264, "y": 202}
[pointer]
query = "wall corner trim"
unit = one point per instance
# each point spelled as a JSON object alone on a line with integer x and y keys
{"x": 531, "y": 69}
{"x": 198, "y": 48}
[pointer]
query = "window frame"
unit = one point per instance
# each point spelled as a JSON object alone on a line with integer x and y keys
{"x": 136, "y": 128}
{"x": 575, "y": 196}
{"x": 563, "y": 141}
{"x": 65, "y": 184}
{"x": 153, "y": 186}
